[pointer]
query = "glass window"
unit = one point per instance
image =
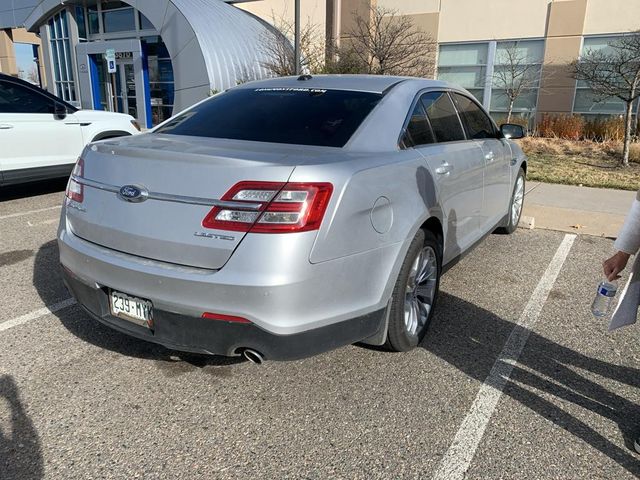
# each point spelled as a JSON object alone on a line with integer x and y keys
{"x": 19, "y": 99}
{"x": 113, "y": 5}
{"x": 443, "y": 117}
{"x": 528, "y": 51}
{"x": 466, "y": 77}
{"x": 80, "y": 21}
{"x": 465, "y": 65}
{"x": 119, "y": 20}
{"x": 161, "y": 81}
{"x": 300, "y": 116}
{"x": 463, "y": 54}
{"x": 93, "y": 20}
{"x": 596, "y": 44}
{"x": 525, "y": 102}
{"x": 585, "y": 100}
{"x": 476, "y": 122}
{"x": 145, "y": 24}
{"x": 62, "y": 57}
{"x": 418, "y": 130}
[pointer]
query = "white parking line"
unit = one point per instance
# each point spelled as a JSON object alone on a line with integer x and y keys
{"x": 22, "y": 214}
{"x": 36, "y": 314}
{"x": 46, "y": 222}
{"x": 457, "y": 459}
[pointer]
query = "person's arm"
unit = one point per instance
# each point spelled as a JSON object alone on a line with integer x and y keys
{"x": 627, "y": 243}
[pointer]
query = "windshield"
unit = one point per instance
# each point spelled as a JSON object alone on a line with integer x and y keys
{"x": 304, "y": 116}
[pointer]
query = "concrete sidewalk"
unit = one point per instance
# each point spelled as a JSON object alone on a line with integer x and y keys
{"x": 584, "y": 210}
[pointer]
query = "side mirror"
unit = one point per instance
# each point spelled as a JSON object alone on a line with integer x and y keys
{"x": 512, "y": 131}
{"x": 59, "y": 111}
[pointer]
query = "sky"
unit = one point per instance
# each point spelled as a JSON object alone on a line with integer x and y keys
{"x": 24, "y": 56}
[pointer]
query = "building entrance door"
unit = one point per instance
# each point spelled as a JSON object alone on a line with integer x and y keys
{"x": 121, "y": 91}
{"x": 126, "y": 88}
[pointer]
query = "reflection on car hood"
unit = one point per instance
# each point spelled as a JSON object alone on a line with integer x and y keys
{"x": 100, "y": 115}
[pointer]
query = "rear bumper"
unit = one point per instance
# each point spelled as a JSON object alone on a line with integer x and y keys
{"x": 195, "y": 334}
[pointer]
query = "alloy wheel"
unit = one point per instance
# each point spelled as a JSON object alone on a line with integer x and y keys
{"x": 518, "y": 200}
{"x": 420, "y": 290}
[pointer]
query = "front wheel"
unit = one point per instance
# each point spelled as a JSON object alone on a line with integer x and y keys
{"x": 415, "y": 293}
{"x": 516, "y": 205}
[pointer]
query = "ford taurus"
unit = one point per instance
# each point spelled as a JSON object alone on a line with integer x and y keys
{"x": 286, "y": 217}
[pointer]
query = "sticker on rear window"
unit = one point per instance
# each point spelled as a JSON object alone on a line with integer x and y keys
{"x": 291, "y": 89}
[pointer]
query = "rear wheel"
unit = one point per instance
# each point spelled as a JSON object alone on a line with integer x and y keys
{"x": 516, "y": 205}
{"x": 415, "y": 293}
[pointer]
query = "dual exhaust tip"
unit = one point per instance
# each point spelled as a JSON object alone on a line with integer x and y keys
{"x": 253, "y": 356}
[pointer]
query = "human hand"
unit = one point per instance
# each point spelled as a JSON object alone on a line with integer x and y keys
{"x": 614, "y": 265}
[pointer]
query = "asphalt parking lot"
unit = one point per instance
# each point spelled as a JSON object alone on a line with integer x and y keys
{"x": 515, "y": 380}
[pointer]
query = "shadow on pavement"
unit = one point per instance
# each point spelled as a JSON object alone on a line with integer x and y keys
{"x": 20, "y": 453}
{"x": 33, "y": 189}
{"x": 471, "y": 339}
{"x": 47, "y": 280}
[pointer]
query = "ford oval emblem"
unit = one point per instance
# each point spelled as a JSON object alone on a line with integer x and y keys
{"x": 133, "y": 194}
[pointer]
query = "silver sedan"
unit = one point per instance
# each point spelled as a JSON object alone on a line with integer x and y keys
{"x": 287, "y": 217}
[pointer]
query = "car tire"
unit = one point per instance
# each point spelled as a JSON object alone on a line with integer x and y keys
{"x": 413, "y": 302}
{"x": 516, "y": 205}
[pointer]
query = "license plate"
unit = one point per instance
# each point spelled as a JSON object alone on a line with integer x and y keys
{"x": 130, "y": 308}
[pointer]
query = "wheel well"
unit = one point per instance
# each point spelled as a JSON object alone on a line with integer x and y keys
{"x": 433, "y": 225}
{"x": 110, "y": 134}
{"x": 524, "y": 167}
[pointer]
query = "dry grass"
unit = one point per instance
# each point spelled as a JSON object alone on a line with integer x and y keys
{"x": 585, "y": 163}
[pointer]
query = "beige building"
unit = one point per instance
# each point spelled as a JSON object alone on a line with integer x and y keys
{"x": 473, "y": 35}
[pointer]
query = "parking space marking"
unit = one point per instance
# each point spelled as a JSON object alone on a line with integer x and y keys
{"x": 41, "y": 312}
{"x": 457, "y": 459}
{"x": 22, "y": 214}
{"x": 46, "y": 222}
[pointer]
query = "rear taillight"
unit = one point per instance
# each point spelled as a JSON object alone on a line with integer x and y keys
{"x": 75, "y": 190}
{"x": 284, "y": 207}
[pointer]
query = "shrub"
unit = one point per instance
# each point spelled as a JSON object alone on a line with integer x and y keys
{"x": 634, "y": 153}
{"x": 569, "y": 127}
{"x": 607, "y": 129}
{"x": 515, "y": 119}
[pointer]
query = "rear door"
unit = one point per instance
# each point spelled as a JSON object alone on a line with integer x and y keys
{"x": 32, "y": 137}
{"x": 497, "y": 178}
{"x": 456, "y": 164}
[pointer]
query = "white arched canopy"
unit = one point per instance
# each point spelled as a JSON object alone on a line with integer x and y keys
{"x": 213, "y": 45}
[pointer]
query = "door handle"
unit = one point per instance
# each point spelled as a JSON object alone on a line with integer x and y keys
{"x": 490, "y": 157}
{"x": 6, "y": 127}
{"x": 444, "y": 169}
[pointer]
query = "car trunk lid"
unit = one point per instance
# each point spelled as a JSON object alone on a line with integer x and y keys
{"x": 184, "y": 178}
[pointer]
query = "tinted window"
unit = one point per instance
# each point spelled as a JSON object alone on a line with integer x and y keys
{"x": 418, "y": 130}
{"x": 476, "y": 122}
{"x": 301, "y": 116}
{"x": 443, "y": 117}
{"x": 18, "y": 99}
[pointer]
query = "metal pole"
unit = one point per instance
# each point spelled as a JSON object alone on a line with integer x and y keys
{"x": 297, "y": 38}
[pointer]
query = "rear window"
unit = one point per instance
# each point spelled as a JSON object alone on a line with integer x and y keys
{"x": 303, "y": 116}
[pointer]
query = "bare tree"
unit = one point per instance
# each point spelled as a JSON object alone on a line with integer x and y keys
{"x": 614, "y": 72}
{"x": 32, "y": 75}
{"x": 382, "y": 42}
{"x": 277, "y": 46}
{"x": 515, "y": 74}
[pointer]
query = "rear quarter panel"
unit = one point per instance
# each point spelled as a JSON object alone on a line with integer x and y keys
{"x": 378, "y": 200}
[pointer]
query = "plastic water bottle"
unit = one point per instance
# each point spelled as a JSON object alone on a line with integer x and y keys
{"x": 604, "y": 297}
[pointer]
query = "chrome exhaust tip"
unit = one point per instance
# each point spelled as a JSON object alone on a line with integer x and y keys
{"x": 253, "y": 356}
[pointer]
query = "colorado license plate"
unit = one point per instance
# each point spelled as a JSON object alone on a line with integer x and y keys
{"x": 130, "y": 308}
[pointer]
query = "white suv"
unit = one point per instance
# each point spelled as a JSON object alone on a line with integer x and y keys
{"x": 41, "y": 136}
